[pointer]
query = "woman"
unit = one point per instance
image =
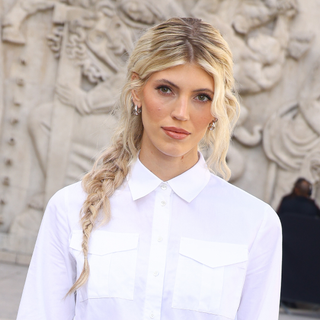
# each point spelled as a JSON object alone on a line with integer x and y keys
{"x": 160, "y": 237}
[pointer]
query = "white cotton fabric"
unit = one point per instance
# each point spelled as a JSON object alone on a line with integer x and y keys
{"x": 194, "y": 247}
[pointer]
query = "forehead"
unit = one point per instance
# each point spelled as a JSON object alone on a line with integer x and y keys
{"x": 189, "y": 75}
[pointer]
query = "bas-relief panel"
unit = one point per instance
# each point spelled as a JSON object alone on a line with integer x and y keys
{"x": 289, "y": 137}
{"x": 64, "y": 62}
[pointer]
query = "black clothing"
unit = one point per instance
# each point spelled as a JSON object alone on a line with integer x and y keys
{"x": 301, "y": 258}
{"x": 299, "y": 205}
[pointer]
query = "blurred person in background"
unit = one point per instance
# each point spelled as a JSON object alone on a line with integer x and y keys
{"x": 299, "y": 200}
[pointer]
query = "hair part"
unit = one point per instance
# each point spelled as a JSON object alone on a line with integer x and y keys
{"x": 174, "y": 42}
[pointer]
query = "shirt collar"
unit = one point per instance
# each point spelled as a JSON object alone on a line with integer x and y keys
{"x": 187, "y": 185}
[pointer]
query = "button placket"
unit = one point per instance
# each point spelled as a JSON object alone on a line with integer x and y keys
{"x": 158, "y": 252}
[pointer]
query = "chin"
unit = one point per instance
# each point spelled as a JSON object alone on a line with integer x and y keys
{"x": 174, "y": 151}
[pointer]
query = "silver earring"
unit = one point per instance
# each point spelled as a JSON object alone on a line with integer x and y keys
{"x": 212, "y": 124}
{"x": 136, "y": 110}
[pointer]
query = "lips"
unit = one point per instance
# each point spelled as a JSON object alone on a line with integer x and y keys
{"x": 176, "y": 133}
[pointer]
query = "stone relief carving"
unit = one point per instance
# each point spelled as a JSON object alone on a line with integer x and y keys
{"x": 91, "y": 40}
{"x": 261, "y": 58}
{"x": 259, "y": 36}
{"x": 79, "y": 49}
{"x": 21, "y": 10}
{"x": 7, "y": 161}
{"x": 292, "y": 141}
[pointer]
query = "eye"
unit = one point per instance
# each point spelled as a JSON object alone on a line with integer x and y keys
{"x": 203, "y": 97}
{"x": 164, "y": 89}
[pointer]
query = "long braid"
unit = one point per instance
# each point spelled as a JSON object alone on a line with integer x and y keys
{"x": 108, "y": 173}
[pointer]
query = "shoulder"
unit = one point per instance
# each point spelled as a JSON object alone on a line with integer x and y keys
{"x": 67, "y": 202}
{"x": 239, "y": 204}
{"x": 288, "y": 197}
{"x": 236, "y": 197}
{"x": 70, "y": 194}
{"x": 312, "y": 201}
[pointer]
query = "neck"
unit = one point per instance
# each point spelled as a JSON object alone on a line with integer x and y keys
{"x": 167, "y": 167}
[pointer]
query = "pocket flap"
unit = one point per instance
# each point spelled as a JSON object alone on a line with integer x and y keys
{"x": 213, "y": 254}
{"x": 102, "y": 242}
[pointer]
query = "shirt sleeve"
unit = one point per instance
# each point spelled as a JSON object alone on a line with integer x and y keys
{"x": 52, "y": 270}
{"x": 261, "y": 293}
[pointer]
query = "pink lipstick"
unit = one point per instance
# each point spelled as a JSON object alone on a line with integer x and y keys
{"x": 176, "y": 133}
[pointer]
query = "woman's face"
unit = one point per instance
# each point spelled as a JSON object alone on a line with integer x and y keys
{"x": 176, "y": 111}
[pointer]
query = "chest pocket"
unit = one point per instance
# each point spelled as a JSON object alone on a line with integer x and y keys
{"x": 210, "y": 277}
{"x": 112, "y": 260}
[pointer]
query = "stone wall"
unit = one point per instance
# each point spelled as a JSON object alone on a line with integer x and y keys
{"x": 62, "y": 64}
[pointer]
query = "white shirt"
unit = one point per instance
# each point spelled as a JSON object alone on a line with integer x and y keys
{"x": 194, "y": 247}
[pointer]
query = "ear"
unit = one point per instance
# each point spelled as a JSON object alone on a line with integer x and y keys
{"x": 136, "y": 93}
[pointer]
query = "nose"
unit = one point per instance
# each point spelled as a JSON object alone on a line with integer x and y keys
{"x": 181, "y": 110}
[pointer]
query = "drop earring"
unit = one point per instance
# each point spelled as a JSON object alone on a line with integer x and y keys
{"x": 136, "y": 110}
{"x": 212, "y": 124}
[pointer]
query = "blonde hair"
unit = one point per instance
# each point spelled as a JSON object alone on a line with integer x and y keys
{"x": 174, "y": 42}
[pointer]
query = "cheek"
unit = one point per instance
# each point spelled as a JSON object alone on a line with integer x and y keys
{"x": 201, "y": 121}
{"x": 154, "y": 109}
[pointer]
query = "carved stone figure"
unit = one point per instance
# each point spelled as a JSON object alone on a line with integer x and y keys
{"x": 292, "y": 141}
{"x": 235, "y": 159}
{"x": 21, "y": 10}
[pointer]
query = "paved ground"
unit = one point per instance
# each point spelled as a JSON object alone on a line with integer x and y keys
{"x": 12, "y": 278}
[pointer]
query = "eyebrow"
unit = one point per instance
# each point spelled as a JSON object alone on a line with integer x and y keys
{"x": 204, "y": 89}
{"x": 177, "y": 87}
{"x": 168, "y": 82}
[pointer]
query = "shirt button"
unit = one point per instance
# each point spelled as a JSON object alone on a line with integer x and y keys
{"x": 160, "y": 239}
{"x": 163, "y": 203}
{"x": 163, "y": 187}
{"x": 156, "y": 273}
{"x": 151, "y": 315}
